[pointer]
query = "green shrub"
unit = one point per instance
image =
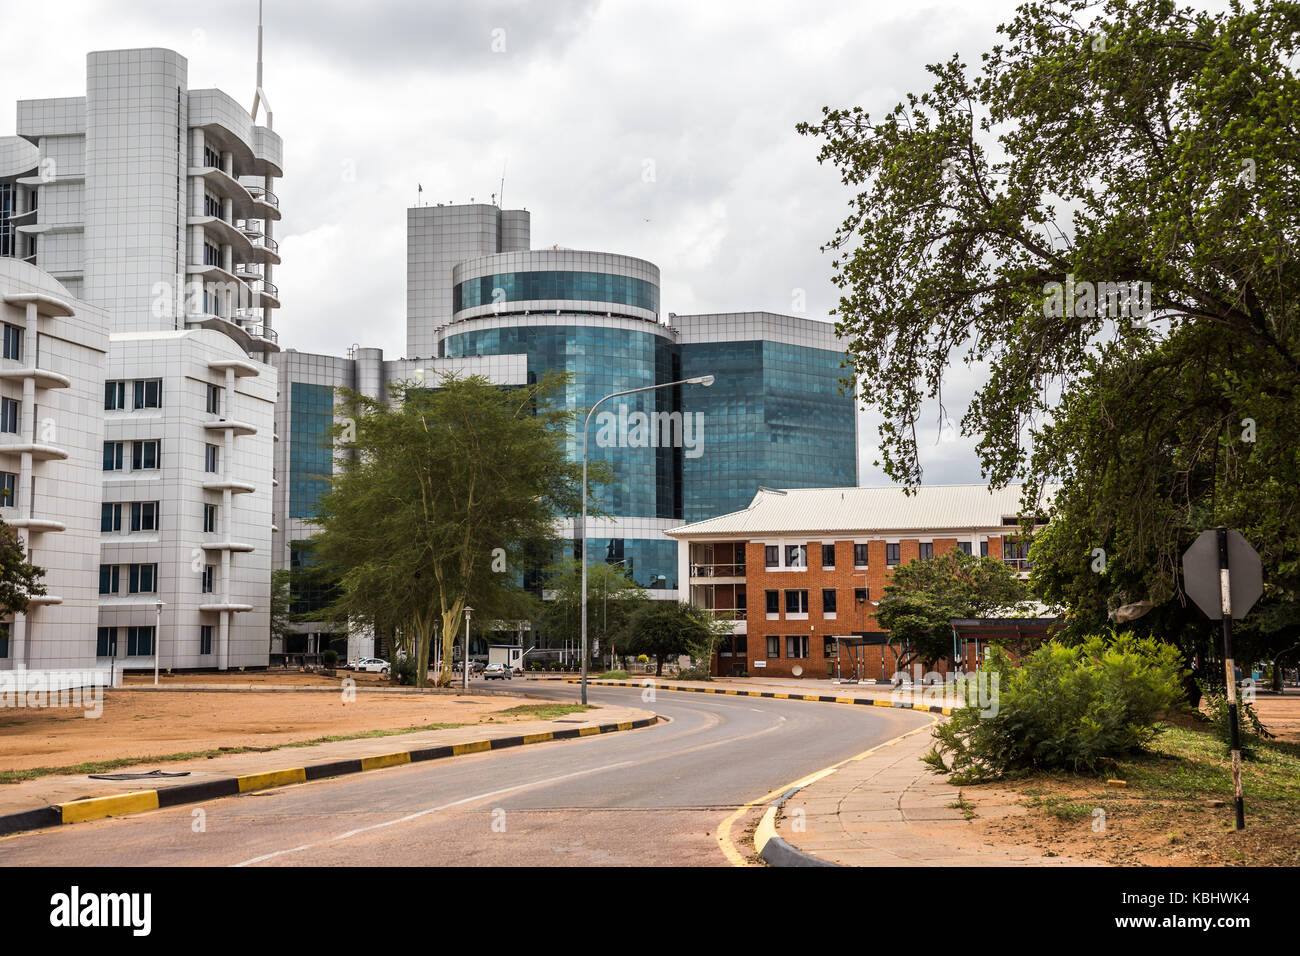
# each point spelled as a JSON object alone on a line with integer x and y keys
{"x": 699, "y": 672}
{"x": 1062, "y": 706}
{"x": 402, "y": 670}
{"x": 330, "y": 658}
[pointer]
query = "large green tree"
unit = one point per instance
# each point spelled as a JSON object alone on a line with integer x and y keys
{"x": 925, "y": 594}
{"x": 663, "y": 629}
{"x": 442, "y": 494}
{"x": 1102, "y": 217}
{"x": 612, "y": 601}
{"x": 20, "y": 580}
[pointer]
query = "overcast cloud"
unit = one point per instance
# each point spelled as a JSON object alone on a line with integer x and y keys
{"x": 374, "y": 98}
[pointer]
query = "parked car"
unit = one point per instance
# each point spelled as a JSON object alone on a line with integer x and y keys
{"x": 372, "y": 665}
{"x": 497, "y": 671}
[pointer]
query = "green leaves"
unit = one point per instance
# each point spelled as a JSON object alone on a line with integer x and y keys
{"x": 20, "y": 580}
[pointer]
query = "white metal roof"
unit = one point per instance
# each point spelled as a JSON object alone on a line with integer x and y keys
{"x": 866, "y": 511}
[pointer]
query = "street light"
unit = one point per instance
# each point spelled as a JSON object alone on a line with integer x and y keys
{"x": 464, "y": 677}
{"x": 157, "y": 638}
{"x": 706, "y": 381}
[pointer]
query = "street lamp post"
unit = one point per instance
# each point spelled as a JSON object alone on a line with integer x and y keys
{"x": 157, "y": 638}
{"x": 464, "y": 677}
{"x": 706, "y": 381}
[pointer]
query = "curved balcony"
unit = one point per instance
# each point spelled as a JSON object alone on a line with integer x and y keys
{"x": 219, "y": 607}
{"x": 38, "y": 451}
{"x": 45, "y": 304}
{"x": 264, "y": 249}
{"x": 45, "y": 600}
{"x": 235, "y": 547}
{"x": 38, "y": 525}
{"x": 44, "y": 377}
{"x": 231, "y": 485}
{"x": 241, "y": 367}
{"x": 225, "y": 232}
{"x": 263, "y": 195}
{"x": 252, "y": 228}
{"x": 239, "y": 428}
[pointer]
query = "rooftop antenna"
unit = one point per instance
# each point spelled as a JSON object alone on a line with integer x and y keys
{"x": 260, "y": 97}
{"x": 502, "y": 193}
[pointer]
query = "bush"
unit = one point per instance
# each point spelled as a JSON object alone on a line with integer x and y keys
{"x": 402, "y": 671}
{"x": 330, "y": 658}
{"x": 1062, "y": 706}
{"x": 699, "y": 672}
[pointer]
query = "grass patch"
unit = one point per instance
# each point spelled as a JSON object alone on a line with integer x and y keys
{"x": 614, "y": 675}
{"x": 965, "y": 806}
{"x": 546, "y": 711}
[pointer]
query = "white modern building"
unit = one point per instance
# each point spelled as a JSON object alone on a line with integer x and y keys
{"x": 155, "y": 204}
{"x": 51, "y": 433}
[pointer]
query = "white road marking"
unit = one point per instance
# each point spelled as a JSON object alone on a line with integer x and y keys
{"x": 446, "y": 806}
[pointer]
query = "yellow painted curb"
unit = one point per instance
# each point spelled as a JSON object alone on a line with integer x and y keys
{"x": 539, "y": 738}
{"x": 385, "y": 760}
{"x": 118, "y": 803}
{"x": 272, "y": 778}
{"x": 588, "y": 731}
{"x": 474, "y": 747}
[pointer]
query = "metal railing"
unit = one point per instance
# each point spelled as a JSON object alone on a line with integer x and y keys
{"x": 717, "y": 570}
{"x": 265, "y": 242}
{"x": 262, "y": 194}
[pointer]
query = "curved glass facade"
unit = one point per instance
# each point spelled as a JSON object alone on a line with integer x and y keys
{"x": 311, "y": 452}
{"x": 574, "y": 286}
{"x": 775, "y": 417}
{"x": 600, "y": 361}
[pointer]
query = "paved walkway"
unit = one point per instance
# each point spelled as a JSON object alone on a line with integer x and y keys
{"x": 45, "y": 791}
{"x": 886, "y": 808}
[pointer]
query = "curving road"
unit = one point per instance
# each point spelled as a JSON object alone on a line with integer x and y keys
{"x": 643, "y": 797}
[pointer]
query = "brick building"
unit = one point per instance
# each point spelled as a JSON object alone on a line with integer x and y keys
{"x": 800, "y": 568}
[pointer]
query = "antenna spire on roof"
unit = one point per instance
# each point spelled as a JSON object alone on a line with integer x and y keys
{"x": 259, "y": 97}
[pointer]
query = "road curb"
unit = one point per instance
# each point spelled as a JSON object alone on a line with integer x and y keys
{"x": 138, "y": 801}
{"x": 818, "y": 698}
{"x": 774, "y": 850}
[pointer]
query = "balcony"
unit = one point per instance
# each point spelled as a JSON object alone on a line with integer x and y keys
{"x": 264, "y": 195}
{"x": 717, "y": 570}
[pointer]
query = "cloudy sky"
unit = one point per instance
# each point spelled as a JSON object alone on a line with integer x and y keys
{"x": 657, "y": 128}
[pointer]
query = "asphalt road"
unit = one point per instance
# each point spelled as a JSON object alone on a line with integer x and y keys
{"x": 643, "y": 797}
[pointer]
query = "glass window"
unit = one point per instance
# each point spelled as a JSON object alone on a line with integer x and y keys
{"x": 114, "y": 396}
{"x": 830, "y": 647}
{"x": 774, "y": 646}
{"x": 110, "y": 517}
{"x": 891, "y": 555}
{"x": 13, "y": 342}
{"x": 106, "y": 642}
{"x": 139, "y": 641}
{"x": 964, "y": 546}
{"x": 144, "y": 516}
{"x": 9, "y": 415}
{"x": 214, "y": 399}
{"x": 773, "y": 602}
{"x": 209, "y": 571}
{"x": 796, "y": 602}
{"x": 205, "y": 638}
{"x": 828, "y": 601}
{"x": 984, "y": 548}
{"x": 4, "y": 639}
{"x": 209, "y": 519}
{"x": 144, "y": 455}
{"x": 796, "y": 645}
{"x": 143, "y": 579}
{"x": 112, "y": 456}
{"x": 860, "y": 555}
{"x": 772, "y": 556}
{"x": 211, "y": 457}
{"x": 828, "y": 556}
{"x": 148, "y": 393}
{"x": 796, "y": 556}
{"x": 926, "y": 550}
{"x": 8, "y": 489}
{"x": 861, "y": 595}
{"x": 109, "y": 578}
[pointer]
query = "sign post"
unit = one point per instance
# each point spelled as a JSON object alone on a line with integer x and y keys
{"x": 1222, "y": 573}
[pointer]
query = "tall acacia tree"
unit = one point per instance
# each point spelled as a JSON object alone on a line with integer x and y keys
{"x": 1105, "y": 215}
{"x": 442, "y": 494}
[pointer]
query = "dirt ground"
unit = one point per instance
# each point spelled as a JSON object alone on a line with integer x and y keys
{"x": 1171, "y": 814}
{"x": 157, "y": 724}
{"x": 284, "y": 678}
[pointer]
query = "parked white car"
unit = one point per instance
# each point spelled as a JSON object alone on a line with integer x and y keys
{"x": 372, "y": 665}
{"x": 497, "y": 671}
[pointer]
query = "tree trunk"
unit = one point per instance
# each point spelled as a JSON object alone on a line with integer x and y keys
{"x": 659, "y": 665}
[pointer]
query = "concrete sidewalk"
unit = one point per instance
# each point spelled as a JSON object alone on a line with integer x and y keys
{"x": 41, "y": 792}
{"x": 885, "y": 808}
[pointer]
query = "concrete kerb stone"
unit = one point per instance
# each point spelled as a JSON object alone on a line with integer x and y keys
{"x": 138, "y": 801}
